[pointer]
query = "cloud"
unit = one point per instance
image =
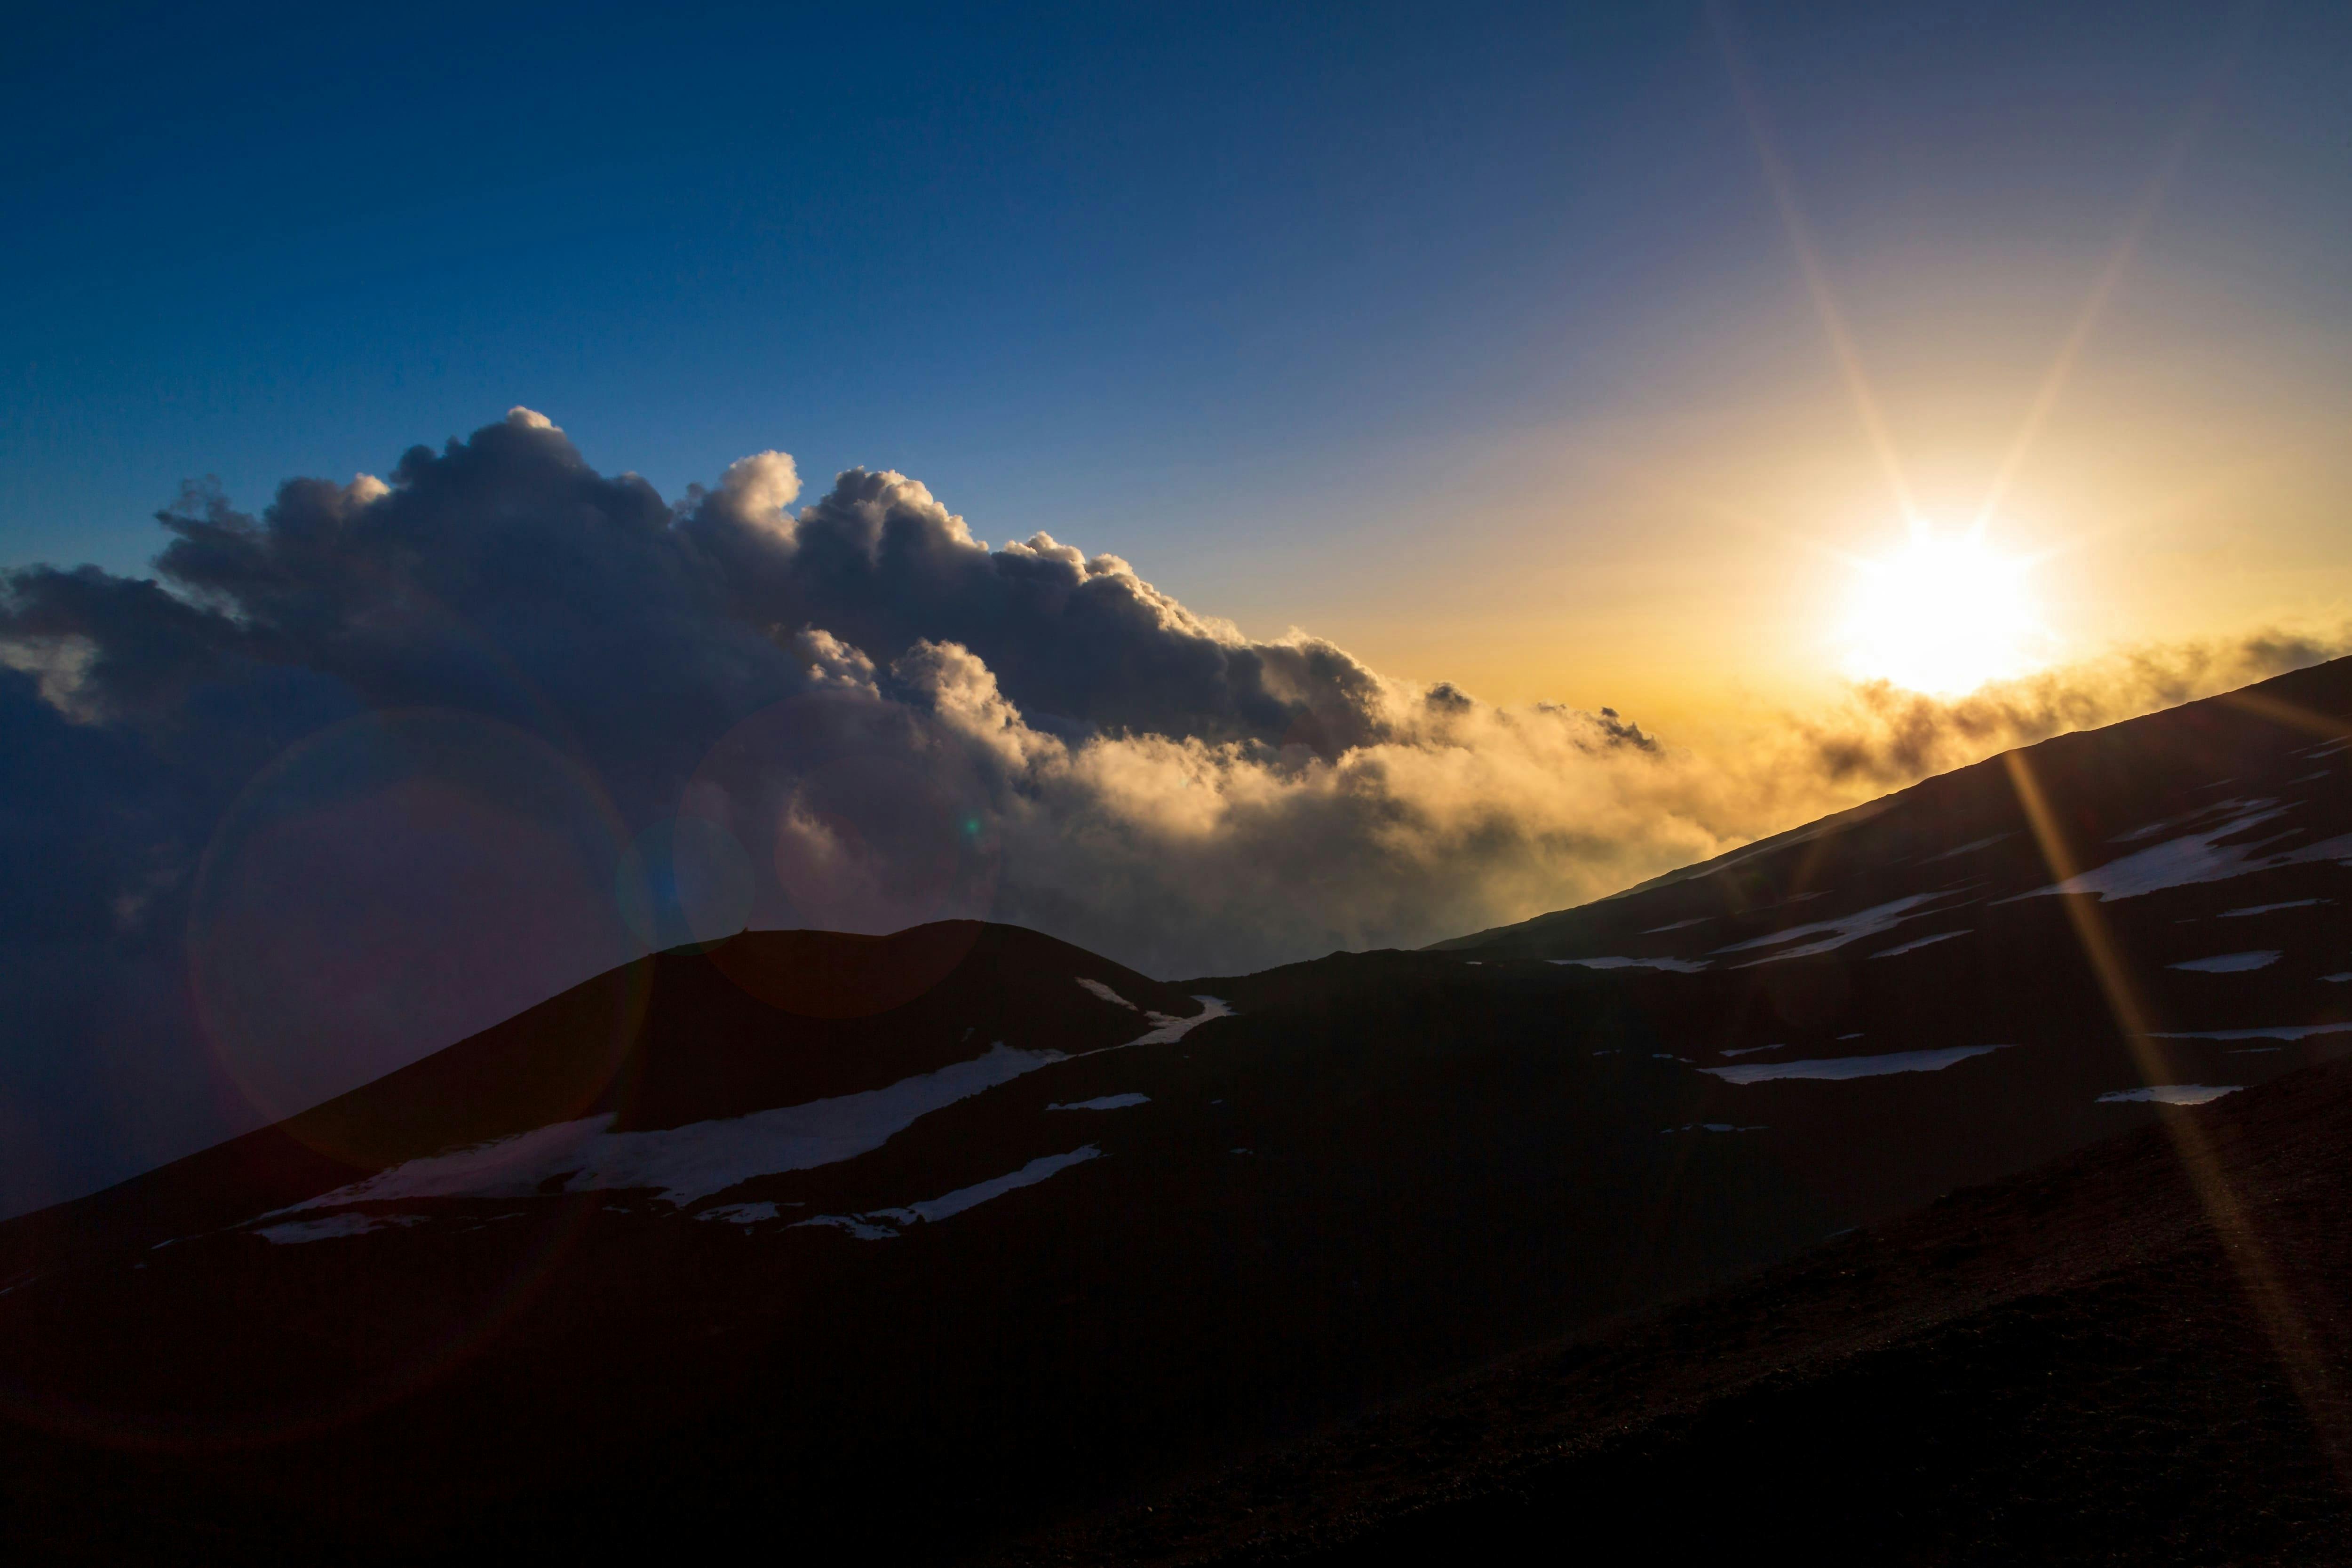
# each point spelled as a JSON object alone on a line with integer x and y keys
{"x": 396, "y": 758}
{"x": 1884, "y": 735}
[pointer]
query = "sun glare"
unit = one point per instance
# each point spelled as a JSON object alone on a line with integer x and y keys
{"x": 1945, "y": 616}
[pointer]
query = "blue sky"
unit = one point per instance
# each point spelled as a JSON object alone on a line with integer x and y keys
{"x": 1259, "y": 296}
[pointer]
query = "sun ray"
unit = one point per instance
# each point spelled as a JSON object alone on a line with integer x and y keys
{"x": 2086, "y": 320}
{"x": 2283, "y": 1319}
{"x": 2289, "y": 715}
{"x": 1782, "y": 185}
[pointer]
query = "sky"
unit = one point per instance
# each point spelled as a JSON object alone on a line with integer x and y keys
{"x": 488, "y": 493}
{"x": 1470, "y": 337}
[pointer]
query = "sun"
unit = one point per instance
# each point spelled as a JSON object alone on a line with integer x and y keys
{"x": 1944, "y": 616}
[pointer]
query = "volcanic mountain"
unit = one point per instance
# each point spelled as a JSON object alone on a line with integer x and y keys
{"x": 907, "y": 1246}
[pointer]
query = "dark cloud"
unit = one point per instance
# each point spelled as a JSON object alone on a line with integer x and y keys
{"x": 390, "y": 761}
{"x": 330, "y": 789}
{"x": 882, "y": 566}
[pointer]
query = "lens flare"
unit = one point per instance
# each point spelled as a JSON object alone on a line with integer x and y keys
{"x": 388, "y": 886}
{"x": 852, "y": 819}
{"x": 685, "y": 882}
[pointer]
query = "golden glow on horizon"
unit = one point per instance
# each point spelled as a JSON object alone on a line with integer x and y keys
{"x": 1945, "y": 616}
{"x": 1737, "y": 539}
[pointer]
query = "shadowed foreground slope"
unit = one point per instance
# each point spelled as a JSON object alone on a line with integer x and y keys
{"x": 2080, "y": 1364}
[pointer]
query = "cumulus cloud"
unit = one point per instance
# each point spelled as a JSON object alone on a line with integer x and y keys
{"x": 396, "y": 758}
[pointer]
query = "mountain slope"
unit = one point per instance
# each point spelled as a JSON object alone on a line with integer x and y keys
{"x": 1141, "y": 1239}
{"x": 922, "y": 1242}
{"x": 680, "y": 1037}
{"x": 2122, "y": 1357}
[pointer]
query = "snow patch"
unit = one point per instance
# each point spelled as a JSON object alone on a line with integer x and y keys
{"x": 684, "y": 1164}
{"x": 2271, "y": 909}
{"x": 854, "y": 1226}
{"x": 1679, "y": 965}
{"x": 2228, "y": 962}
{"x": 1751, "y": 1050}
{"x": 979, "y": 1193}
{"x": 295, "y": 1232}
{"x": 1108, "y": 995}
{"x": 1970, "y": 847}
{"x": 2170, "y": 1094}
{"x": 2194, "y": 858}
{"x": 740, "y": 1213}
{"x": 881, "y": 1224}
{"x": 1680, "y": 925}
{"x": 1835, "y": 933}
{"x": 1853, "y": 1067}
{"x": 2208, "y": 810}
{"x": 2276, "y": 1032}
{"x": 1166, "y": 1031}
{"x": 1107, "y": 1102}
{"x": 1923, "y": 942}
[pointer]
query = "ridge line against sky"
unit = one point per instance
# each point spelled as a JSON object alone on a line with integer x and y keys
{"x": 505, "y": 722}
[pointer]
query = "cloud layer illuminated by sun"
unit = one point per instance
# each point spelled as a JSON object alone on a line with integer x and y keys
{"x": 392, "y": 761}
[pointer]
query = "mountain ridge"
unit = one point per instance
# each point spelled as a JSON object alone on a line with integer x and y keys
{"x": 976, "y": 1205}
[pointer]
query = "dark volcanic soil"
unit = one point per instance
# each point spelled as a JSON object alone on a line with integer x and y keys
{"x": 2101, "y": 1360}
{"x": 895, "y": 1248}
